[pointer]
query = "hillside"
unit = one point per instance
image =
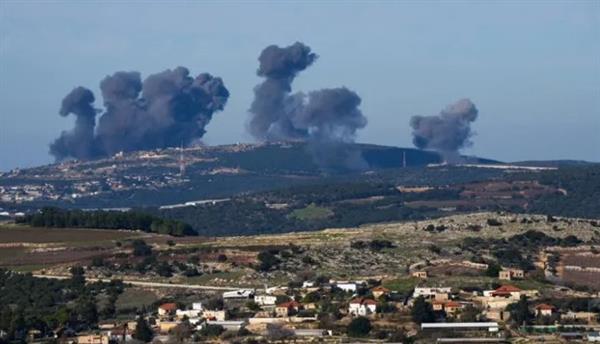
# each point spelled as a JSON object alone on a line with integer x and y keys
{"x": 170, "y": 176}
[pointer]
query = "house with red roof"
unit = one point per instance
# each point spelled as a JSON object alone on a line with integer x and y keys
{"x": 507, "y": 291}
{"x": 544, "y": 310}
{"x": 362, "y": 306}
{"x": 379, "y": 291}
{"x": 288, "y": 308}
{"x": 167, "y": 309}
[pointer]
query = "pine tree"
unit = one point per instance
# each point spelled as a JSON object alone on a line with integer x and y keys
{"x": 143, "y": 332}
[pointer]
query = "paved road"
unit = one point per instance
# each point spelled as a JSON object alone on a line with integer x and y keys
{"x": 147, "y": 284}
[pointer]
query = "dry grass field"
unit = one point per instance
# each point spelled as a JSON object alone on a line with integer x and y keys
{"x": 329, "y": 250}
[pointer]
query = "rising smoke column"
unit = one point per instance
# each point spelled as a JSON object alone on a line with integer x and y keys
{"x": 327, "y": 115}
{"x": 167, "y": 109}
{"x": 447, "y": 132}
{"x": 79, "y": 142}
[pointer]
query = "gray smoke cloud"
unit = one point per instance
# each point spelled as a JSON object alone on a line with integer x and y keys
{"x": 447, "y": 132}
{"x": 80, "y": 140}
{"x": 322, "y": 115}
{"x": 167, "y": 109}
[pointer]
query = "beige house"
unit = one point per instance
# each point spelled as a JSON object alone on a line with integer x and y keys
{"x": 585, "y": 316}
{"x": 420, "y": 274}
{"x": 287, "y": 308}
{"x": 510, "y": 274}
{"x": 92, "y": 339}
{"x": 166, "y": 326}
{"x": 214, "y": 315}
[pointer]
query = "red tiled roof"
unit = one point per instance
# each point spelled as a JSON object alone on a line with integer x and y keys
{"x": 363, "y": 301}
{"x": 545, "y": 306}
{"x": 168, "y": 306}
{"x": 290, "y": 304}
{"x": 452, "y": 304}
{"x": 382, "y": 289}
{"x": 508, "y": 288}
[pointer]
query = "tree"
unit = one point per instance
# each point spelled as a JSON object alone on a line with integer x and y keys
{"x": 212, "y": 330}
{"x": 422, "y": 311}
{"x": 182, "y": 331}
{"x": 267, "y": 260}
{"x": 276, "y": 332}
{"x": 77, "y": 277}
{"x": 86, "y": 310}
{"x": 469, "y": 314}
{"x": 140, "y": 248}
{"x": 492, "y": 270}
{"x": 143, "y": 332}
{"x": 519, "y": 311}
{"x": 359, "y": 327}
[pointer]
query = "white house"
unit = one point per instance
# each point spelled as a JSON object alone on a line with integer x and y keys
{"x": 593, "y": 337}
{"x": 239, "y": 294}
{"x": 431, "y": 292}
{"x": 346, "y": 286}
{"x": 230, "y": 325}
{"x": 308, "y": 284}
{"x": 361, "y": 306}
{"x": 190, "y": 313}
{"x": 265, "y": 300}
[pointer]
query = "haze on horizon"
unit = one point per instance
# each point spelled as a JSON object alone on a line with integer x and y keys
{"x": 532, "y": 69}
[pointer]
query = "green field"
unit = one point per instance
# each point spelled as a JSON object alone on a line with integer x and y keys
{"x": 22, "y": 234}
{"x": 311, "y": 212}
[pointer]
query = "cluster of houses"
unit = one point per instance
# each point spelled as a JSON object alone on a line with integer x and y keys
{"x": 275, "y": 306}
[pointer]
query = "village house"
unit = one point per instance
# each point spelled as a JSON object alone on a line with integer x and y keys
{"x": 506, "y": 291}
{"x": 593, "y": 337}
{"x": 265, "y": 300}
{"x": 361, "y": 306}
{"x": 229, "y": 325}
{"x": 582, "y": 316}
{"x": 431, "y": 292}
{"x": 287, "y": 308}
{"x": 347, "y": 286}
{"x": 450, "y": 307}
{"x": 167, "y": 309}
{"x": 189, "y": 313}
{"x": 92, "y": 339}
{"x": 243, "y": 294}
{"x": 510, "y": 274}
{"x": 167, "y": 326}
{"x": 544, "y": 310}
{"x": 379, "y": 291}
{"x": 219, "y": 315}
{"x": 420, "y": 274}
{"x": 308, "y": 284}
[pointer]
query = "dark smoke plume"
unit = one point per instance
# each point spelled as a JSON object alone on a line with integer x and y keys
{"x": 78, "y": 142}
{"x": 327, "y": 114}
{"x": 448, "y": 132}
{"x": 167, "y": 109}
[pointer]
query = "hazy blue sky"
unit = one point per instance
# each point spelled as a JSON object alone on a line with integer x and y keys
{"x": 532, "y": 68}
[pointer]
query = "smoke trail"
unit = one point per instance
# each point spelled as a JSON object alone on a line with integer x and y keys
{"x": 447, "y": 132}
{"x": 79, "y": 142}
{"x": 165, "y": 110}
{"x": 323, "y": 117}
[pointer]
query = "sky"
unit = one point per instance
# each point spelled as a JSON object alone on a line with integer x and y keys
{"x": 531, "y": 67}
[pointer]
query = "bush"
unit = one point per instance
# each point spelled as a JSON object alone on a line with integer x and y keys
{"x": 359, "y": 327}
{"x": 212, "y": 330}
